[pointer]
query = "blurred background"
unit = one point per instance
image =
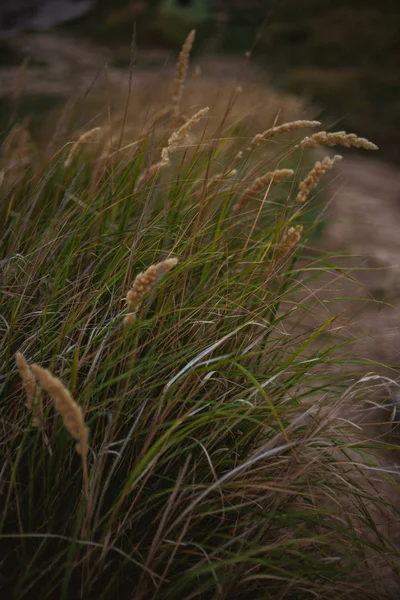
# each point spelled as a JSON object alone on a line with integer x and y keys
{"x": 342, "y": 56}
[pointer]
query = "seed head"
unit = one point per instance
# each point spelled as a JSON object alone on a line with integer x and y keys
{"x": 181, "y": 133}
{"x": 79, "y": 143}
{"x": 181, "y": 71}
{"x": 66, "y": 406}
{"x": 32, "y": 390}
{"x": 290, "y": 239}
{"x": 280, "y": 129}
{"x": 261, "y": 183}
{"x": 312, "y": 179}
{"x": 143, "y": 283}
{"x": 337, "y": 137}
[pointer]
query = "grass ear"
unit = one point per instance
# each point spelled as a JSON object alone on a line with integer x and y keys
{"x": 70, "y": 412}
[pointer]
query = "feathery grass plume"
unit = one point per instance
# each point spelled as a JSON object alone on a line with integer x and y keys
{"x": 312, "y": 179}
{"x": 181, "y": 71}
{"x": 150, "y": 172}
{"x": 181, "y": 133}
{"x": 261, "y": 183}
{"x": 17, "y": 145}
{"x": 32, "y": 390}
{"x": 224, "y": 176}
{"x": 172, "y": 146}
{"x": 143, "y": 283}
{"x": 335, "y": 138}
{"x": 10, "y": 139}
{"x": 279, "y": 129}
{"x": 79, "y": 142}
{"x": 290, "y": 239}
{"x": 71, "y": 413}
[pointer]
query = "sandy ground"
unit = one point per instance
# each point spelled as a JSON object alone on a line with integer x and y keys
{"x": 364, "y": 223}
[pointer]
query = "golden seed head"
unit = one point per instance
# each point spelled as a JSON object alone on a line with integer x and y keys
{"x": 226, "y": 175}
{"x": 66, "y": 406}
{"x": 181, "y": 133}
{"x": 336, "y": 138}
{"x": 290, "y": 239}
{"x": 312, "y": 179}
{"x": 32, "y": 390}
{"x": 153, "y": 170}
{"x": 261, "y": 183}
{"x": 280, "y": 129}
{"x": 143, "y": 283}
{"x": 181, "y": 71}
{"x": 79, "y": 142}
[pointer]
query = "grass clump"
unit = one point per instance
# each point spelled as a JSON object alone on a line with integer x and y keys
{"x": 219, "y": 463}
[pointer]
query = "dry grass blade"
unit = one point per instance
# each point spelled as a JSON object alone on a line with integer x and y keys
{"x": 261, "y": 183}
{"x": 32, "y": 390}
{"x": 143, "y": 284}
{"x": 85, "y": 137}
{"x": 70, "y": 411}
{"x": 312, "y": 179}
{"x": 280, "y": 129}
{"x": 181, "y": 71}
{"x": 323, "y": 138}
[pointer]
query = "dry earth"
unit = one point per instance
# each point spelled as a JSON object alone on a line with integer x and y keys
{"x": 364, "y": 224}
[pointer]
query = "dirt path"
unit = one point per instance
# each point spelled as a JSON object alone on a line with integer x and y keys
{"x": 59, "y": 65}
{"x": 364, "y": 222}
